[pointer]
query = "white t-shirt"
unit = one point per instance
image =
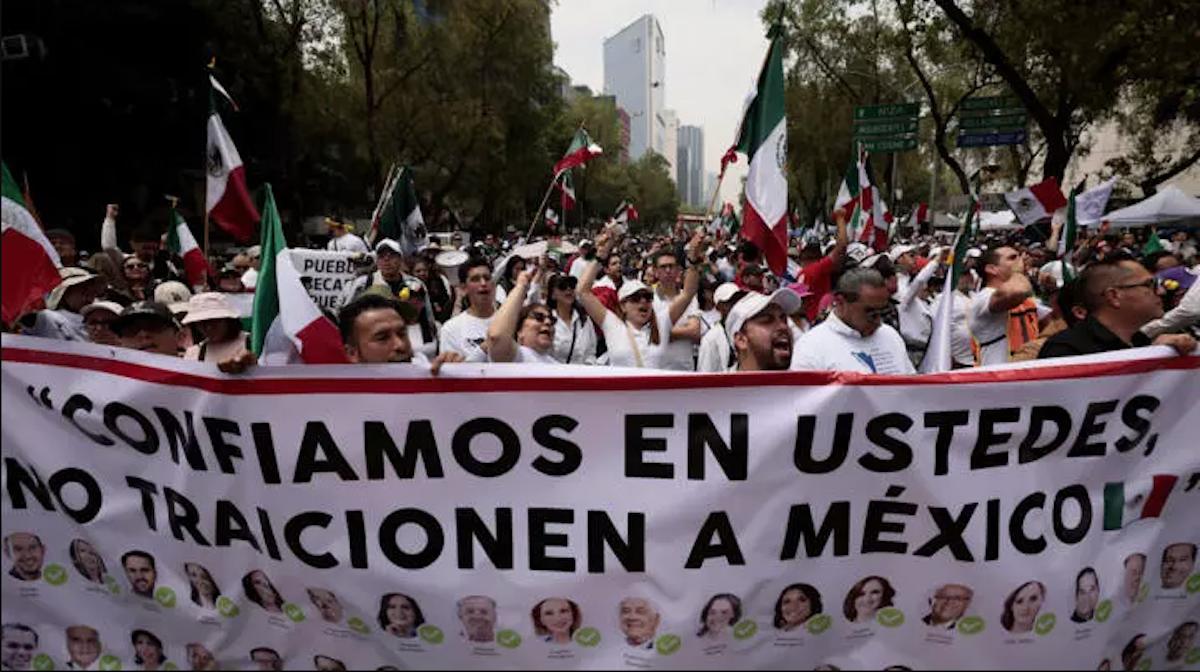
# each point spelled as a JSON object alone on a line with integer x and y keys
{"x": 621, "y": 351}
{"x": 574, "y": 338}
{"x": 578, "y": 266}
{"x": 465, "y": 334}
{"x": 988, "y": 328}
{"x": 527, "y": 355}
{"x": 834, "y": 346}
{"x": 714, "y": 350}
{"x": 916, "y": 314}
{"x": 60, "y": 324}
{"x": 679, "y": 355}
{"x": 960, "y": 336}
{"x": 250, "y": 278}
{"x": 347, "y": 243}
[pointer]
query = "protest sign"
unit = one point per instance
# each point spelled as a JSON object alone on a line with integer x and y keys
{"x": 369, "y": 516}
{"x": 326, "y": 275}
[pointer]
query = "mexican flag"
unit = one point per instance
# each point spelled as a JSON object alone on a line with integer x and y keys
{"x": 181, "y": 243}
{"x": 855, "y": 198}
{"x": 625, "y": 212}
{"x": 763, "y": 139}
{"x": 567, "y": 187}
{"x": 287, "y": 327}
{"x": 881, "y": 225}
{"x": 580, "y": 151}
{"x": 401, "y": 219}
{"x": 28, "y": 263}
{"x": 1035, "y": 203}
{"x": 1129, "y": 501}
{"x": 227, "y": 199}
{"x": 726, "y": 222}
{"x": 938, "y": 355}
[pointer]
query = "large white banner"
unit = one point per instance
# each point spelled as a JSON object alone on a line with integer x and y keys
{"x": 326, "y": 275}
{"x": 158, "y": 514}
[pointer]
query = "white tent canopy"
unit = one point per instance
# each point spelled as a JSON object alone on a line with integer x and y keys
{"x": 1168, "y": 205}
{"x": 1001, "y": 220}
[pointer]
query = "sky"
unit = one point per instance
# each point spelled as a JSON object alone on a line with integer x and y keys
{"x": 714, "y": 51}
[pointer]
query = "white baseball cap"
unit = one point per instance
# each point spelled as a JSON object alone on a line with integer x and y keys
{"x": 111, "y": 306}
{"x": 725, "y": 292}
{"x": 858, "y": 252}
{"x": 754, "y": 303}
{"x": 900, "y": 250}
{"x": 389, "y": 244}
{"x": 630, "y": 288}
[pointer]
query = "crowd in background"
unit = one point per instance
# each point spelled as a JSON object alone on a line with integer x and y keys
{"x": 681, "y": 301}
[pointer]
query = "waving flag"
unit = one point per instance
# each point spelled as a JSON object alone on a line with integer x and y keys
{"x": 182, "y": 244}
{"x": 580, "y": 151}
{"x": 227, "y": 200}
{"x": 27, "y": 259}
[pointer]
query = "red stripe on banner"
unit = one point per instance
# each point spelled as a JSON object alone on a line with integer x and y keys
{"x": 318, "y": 385}
{"x": 772, "y": 240}
{"x": 1163, "y": 485}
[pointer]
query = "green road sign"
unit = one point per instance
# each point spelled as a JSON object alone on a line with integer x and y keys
{"x": 895, "y": 110}
{"x": 889, "y": 144}
{"x": 998, "y": 122}
{"x": 991, "y": 103}
{"x": 886, "y": 128}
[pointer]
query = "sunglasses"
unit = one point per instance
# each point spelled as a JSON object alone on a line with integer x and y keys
{"x": 138, "y": 265}
{"x": 1151, "y": 284}
{"x": 539, "y": 316}
{"x": 567, "y": 283}
{"x": 640, "y": 297}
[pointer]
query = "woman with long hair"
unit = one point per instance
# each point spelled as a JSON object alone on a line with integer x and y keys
{"x": 1022, "y": 607}
{"x": 866, "y": 598}
{"x": 399, "y": 615}
{"x": 574, "y": 335}
{"x": 720, "y": 614}
{"x": 259, "y": 590}
{"x": 205, "y": 592}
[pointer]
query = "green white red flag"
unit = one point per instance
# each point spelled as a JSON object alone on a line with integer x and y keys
{"x": 182, "y": 244}
{"x": 28, "y": 263}
{"x": 763, "y": 139}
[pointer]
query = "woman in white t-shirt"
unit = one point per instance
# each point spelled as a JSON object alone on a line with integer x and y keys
{"x": 520, "y": 333}
{"x": 574, "y": 335}
{"x": 638, "y": 335}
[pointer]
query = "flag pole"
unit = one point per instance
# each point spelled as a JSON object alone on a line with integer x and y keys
{"x": 549, "y": 190}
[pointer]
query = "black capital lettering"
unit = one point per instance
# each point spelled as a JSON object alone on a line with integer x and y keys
{"x": 1016, "y": 525}
{"x": 232, "y": 525}
{"x": 91, "y": 506}
{"x": 498, "y": 545}
{"x": 1038, "y": 419}
{"x": 945, "y": 422}
{"x": 19, "y": 480}
{"x": 179, "y": 437}
{"x": 950, "y": 533}
{"x": 802, "y": 454}
{"x": 602, "y": 534}
{"x": 540, "y": 540}
{"x": 510, "y": 447}
{"x": 716, "y": 539}
{"x": 226, "y": 452}
{"x": 1091, "y": 426}
{"x": 182, "y": 515}
{"x": 319, "y": 454}
{"x": 435, "y": 539}
{"x": 294, "y": 528}
{"x": 802, "y": 529}
{"x": 989, "y": 437}
{"x": 734, "y": 457}
{"x": 146, "y": 443}
{"x": 419, "y": 446}
{"x": 74, "y": 405}
{"x": 877, "y": 433}
{"x": 1133, "y": 417}
{"x": 543, "y": 433}
{"x": 1072, "y": 535}
{"x": 637, "y": 445}
{"x": 148, "y": 490}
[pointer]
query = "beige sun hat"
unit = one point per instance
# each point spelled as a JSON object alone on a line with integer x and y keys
{"x": 71, "y": 276}
{"x": 209, "y": 306}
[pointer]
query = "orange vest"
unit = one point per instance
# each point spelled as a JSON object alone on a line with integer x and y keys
{"x": 1022, "y": 325}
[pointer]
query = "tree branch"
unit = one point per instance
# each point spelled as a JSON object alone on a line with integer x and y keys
{"x": 1150, "y": 185}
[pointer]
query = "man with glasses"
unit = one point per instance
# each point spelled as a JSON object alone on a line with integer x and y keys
{"x": 948, "y": 604}
{"x": 98, "y": 318}
{"x": 854, "y": 337}
{"x": 1121, "y": 297}
{"x": 680, "y": 354}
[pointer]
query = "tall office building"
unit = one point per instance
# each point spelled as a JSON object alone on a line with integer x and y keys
{"x": 634, "y": 72}
{"x": 690, "y": 166}
{"x": 671, "y": 144}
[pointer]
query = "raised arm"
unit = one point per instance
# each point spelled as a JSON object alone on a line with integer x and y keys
{"x": 591, "y": 303}
{"x": 843, "y": 240}
{"x": 1012, "y": 293}
{"x": 108, "y": 230}
{"x": 691, "y": 281}
{"x": 502, "y": 340}
{"x": 913, "y": 290}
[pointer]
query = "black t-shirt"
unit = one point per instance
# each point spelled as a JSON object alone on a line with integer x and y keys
{"x": 1088, "y": 338}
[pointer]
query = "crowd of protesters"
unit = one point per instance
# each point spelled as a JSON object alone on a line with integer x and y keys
{"x": 684, "y": 301}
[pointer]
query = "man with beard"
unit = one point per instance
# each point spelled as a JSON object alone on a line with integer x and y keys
{"x": 375, "y": 331}
{"x": 478, "y": 616}
{"x": 141, "y": 572}
{"x": 1178, "y": 562}
{"x": 759, "y": 330}
{"x": 27, "y": 554}
{"x": 639, "y": 621}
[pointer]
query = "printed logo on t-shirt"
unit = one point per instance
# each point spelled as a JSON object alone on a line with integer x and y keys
{"x": 866, "y": 358}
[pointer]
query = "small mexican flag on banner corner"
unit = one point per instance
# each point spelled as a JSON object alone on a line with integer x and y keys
{"x": 1129, "y": 501}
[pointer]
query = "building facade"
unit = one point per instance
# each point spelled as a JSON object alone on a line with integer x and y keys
{"x": 690, "y": 166}
{"x": 671, "y": 142}
{"x": 634, "y": 72}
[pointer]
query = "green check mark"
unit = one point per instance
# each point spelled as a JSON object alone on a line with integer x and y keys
{"x": 110, "y": 662}
{"x": 1143, "y": 593}
{"x": 971, "y": 625}
{"x": 112, "y": 585}
{"x": 1045, "y": 624}
{"x": 745, "y": 630}
{"x": 819, "y": 623}
{"x": 890, "y": 617}
{"x": 588, "y": 637}
{"x": 43, "y": 662}
{"x": 668, "y": 644}
{"x": 1193, "y": 584}
{"x": 1143, "y": 664}
{"x": 171, "y": 666}
{"x": 54, "y": 575}
{"x": 509, "y": 639}
{"x": 356, "y": 624}
{"x": 165, "y": 596}
{"x": 294, "y": 612}
{"x": 1193, "y": 656}
{"x": 227, "y": 608}
{"x": 1104, "y": 611}
{"x": 431, "y": 634}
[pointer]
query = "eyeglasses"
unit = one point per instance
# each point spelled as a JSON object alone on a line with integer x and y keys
{"x": 539, "y": 316}
{"x": 139, "y": 265}
{"x": 1151, "y": 284}
{"x": 640, "y": 297}
{"x": 95, "y": 324}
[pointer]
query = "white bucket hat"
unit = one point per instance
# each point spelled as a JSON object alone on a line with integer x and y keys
{"x": 71, "y": 276}
{"x": 209, "y": 306}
